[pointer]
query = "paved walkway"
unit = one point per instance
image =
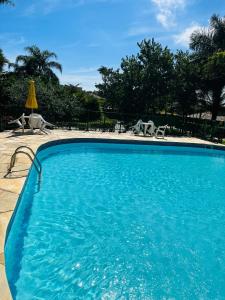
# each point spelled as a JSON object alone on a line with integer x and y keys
{"x": 10, "y": 188}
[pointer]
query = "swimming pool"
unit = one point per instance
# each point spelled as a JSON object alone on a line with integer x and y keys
{"x": 120, "y": 221}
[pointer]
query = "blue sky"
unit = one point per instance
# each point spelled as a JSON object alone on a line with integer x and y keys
{"x": 86, "y": 34}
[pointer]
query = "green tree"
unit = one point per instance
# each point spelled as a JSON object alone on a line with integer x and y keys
{"x": 58, "y": 103}
{"x": 185, "y": 84}
{"x": 157, "y": 74}
{"x": 142, "y": 83}
{"x": 131, "y": 86}
{"x": 206, "y": 43}
{"x": 37, "y": 63}
{"x": 214, "y": 76}
{"x": 111, "y": 88}
{"x": 3, "y": 60}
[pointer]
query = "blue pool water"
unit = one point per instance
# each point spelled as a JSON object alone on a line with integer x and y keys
{"x": 120, "y": 222}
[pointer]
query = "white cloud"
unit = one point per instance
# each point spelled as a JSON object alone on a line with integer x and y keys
{"x": 70, "y": 45}
{"x": 85, "y": 77}
{"x": 86, "y": 70}
{"x": 139, "y": 30}
{"x": 10, "y": 40}
{"x": 183, "y": 38}
{"x": 166, "y": 14}
{"x": 30, "y": 10}
{"x": 94, "y": 45}
{"x": 49, "y": 6}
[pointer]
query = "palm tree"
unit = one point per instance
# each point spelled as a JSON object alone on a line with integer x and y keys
{"x": 37, "y": 63}
{"x": 6, "y": 2}
{"x": 206, "y": 43}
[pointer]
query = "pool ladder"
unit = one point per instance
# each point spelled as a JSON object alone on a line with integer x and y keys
{"x": 32, "y": 157}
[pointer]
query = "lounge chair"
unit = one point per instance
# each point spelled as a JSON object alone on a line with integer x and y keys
{"x": 151, "y": 128}
{"x": 160, "y": 131}
{"x": 119, "y": 127}
{"x": 36, "y": 121}
{"x": 138, "y": 127}
{"x": 21, "y": 122}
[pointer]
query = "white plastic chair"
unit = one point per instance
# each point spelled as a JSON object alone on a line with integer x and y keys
{"x": 151, "y": 128}
{"x": 21, "y": 122}
{"x": 137, "y": 128}
{"x": 36, "y": 121}
{"x": 119, "y": 127}
{"x": 160, "y": 131}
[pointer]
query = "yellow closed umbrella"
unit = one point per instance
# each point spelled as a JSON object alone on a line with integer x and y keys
{"x": 31, "y": 98}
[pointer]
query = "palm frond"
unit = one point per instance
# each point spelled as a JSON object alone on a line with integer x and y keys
{"x": 33, "y": 50}
{"x": 22, "y": 59}
{"x": 47, "y": 54}
{"x": 55, "y": 65}
{"x": 201, "y": 41}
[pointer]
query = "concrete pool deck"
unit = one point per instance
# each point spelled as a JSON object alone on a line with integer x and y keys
{"x": 10, "y": 188}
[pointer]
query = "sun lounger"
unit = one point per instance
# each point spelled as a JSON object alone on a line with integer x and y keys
{"x": 119, "y": 127}
{"x": 150, "y": 129}
{"x": 21, "y": 122}
{"x": 138, "y": 127}
{"x": 160, "y": 131}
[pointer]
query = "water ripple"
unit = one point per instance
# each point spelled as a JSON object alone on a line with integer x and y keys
{"x": 121, "y": 225}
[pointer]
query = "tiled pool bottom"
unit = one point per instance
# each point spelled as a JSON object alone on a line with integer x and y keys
{"x": 140, "y": 238}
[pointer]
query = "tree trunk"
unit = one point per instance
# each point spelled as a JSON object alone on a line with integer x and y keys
{"x": 216, "y": 103}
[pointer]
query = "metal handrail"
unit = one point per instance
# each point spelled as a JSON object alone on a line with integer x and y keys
{"x": 33, "y": 159}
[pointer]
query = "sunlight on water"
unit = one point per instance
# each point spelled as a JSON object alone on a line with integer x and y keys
{"x": 121, "y": 222}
